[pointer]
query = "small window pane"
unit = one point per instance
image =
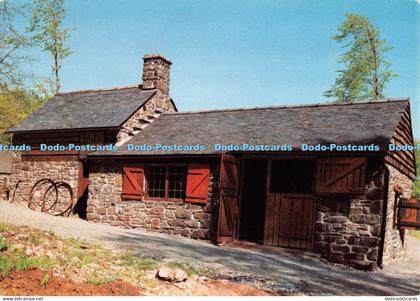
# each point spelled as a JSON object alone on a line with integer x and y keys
{"x": 156, "y": 181}
{"x": 177, "y": 180}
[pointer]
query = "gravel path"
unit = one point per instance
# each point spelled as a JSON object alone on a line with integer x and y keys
{"x": 276, "y": 268}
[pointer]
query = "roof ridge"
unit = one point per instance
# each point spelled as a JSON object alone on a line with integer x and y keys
{"x": 326, "y": 104}
{"x": 99, "y": 90}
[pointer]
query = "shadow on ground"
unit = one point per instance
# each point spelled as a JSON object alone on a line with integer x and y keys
{"x": 297, "y": 271}
{"x": 301, "y": 269}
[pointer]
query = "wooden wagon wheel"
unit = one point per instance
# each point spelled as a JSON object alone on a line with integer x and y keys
{"x": 68, "y": 210}
{"x": 40, "y": 182}
{"x": 44, "y": 197}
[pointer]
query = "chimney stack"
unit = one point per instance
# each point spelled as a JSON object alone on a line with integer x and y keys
{"x": 156, "y": 72}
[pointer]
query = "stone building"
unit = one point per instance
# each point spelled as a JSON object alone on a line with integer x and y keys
{"x": 225, "y": 175}
{"x": 5, "y": 171}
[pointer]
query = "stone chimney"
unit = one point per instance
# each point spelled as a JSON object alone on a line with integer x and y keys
{"x": 156, "y": 72}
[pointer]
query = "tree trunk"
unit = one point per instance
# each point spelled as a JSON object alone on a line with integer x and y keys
{"x": 375, "y": 64}
{"x": 57, "y": 78}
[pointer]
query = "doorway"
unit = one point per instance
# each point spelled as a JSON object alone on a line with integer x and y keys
{"x": 80, "y": 208}
{"x": 290, "y": 207}
{"x": 253, "y": 198}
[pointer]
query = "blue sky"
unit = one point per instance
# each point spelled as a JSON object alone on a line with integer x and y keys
{"x": 229, "y": 54}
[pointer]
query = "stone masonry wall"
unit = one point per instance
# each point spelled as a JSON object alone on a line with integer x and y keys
{"x": 26, "y": 173}
{"x": 106, "y": 206}
{"x": 158, "y": 101}
{"x": 394, "y": 247}
{"x": 5, "y": 171}
{"x": 4, "y": 186}
{"x": 348, "y": 229}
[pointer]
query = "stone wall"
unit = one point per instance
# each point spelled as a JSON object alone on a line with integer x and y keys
{"x": 26, "y": 173}
{"x": 348, "y": 229}
{"x": 5, "y": 171}
{"x": 106, "y": 206}
{"x": 394, "y": 247}
{"x": 4, "y": 186}
{"x": 149, "y": 111}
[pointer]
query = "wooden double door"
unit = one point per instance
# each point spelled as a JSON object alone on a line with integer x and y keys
{"x": 288, "y": 219}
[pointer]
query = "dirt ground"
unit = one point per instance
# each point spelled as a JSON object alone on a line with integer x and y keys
{"x": 36, "y": 262}
{"x": 282, "y": 271}
{"x": 28, "y": 283}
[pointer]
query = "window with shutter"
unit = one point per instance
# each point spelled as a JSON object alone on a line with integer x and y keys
{"x": 166, "y": 182}
{"x": 133, "y": 183}
{"x": 409, "y": 214}
{"x": 340, "y": 175}
{"x": 198, "y": 180}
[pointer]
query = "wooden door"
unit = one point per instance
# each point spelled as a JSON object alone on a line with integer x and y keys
{"x": 290, "y": 220}
{"x": 83, "y": 179}
{"x": 228, "y": 208}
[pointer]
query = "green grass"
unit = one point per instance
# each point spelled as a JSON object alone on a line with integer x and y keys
{"x": 73, "y": 242}
{"x": 74, "y": 254}
{"x": 36, "y": 238}
{"x": 129, "y": 259}
{"x": 3, "y": 245}
{"x": 96, "y": 279}
{"x": 8, "y": 227}
{"x": 44, "y": 280}
{"x": 19, "y": 262}
{"x": 190, "y": 268}
{"x": 414, "y": 233}
{"x": 84, "y": 258}
{"x": 6, "y": 265}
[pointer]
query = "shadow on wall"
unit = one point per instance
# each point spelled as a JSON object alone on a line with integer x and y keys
{"x": 80, "y": 208}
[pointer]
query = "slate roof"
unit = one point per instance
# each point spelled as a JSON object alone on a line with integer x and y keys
{"x": 356, "y": 123}
{"x": 86, "y": 109}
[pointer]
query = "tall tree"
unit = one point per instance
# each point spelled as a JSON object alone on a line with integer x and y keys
{"x": 365, "y": 72}
{"x": 14, "y": 107}
{"x": 46, "y": 24}
{"x": 12, "y": 42}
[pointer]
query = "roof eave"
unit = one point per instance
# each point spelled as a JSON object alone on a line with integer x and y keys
{"x": 64, "y": 130}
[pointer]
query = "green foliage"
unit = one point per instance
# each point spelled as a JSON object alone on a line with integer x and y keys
{"x": 365, "y": 72}
{"x": 12, "y": 42}
{"x": 46, "y": 24}
{"x": 15, "y": 106}
{"x": 416, "y": 184}
{"x": 16, "y": 100}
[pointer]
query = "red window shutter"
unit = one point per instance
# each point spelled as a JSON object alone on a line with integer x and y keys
{"x": 409, "y": 214}
{"x": 133, "y": 183}
{"x": 198, "y": 180}
{"x": 340, "y": 175}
